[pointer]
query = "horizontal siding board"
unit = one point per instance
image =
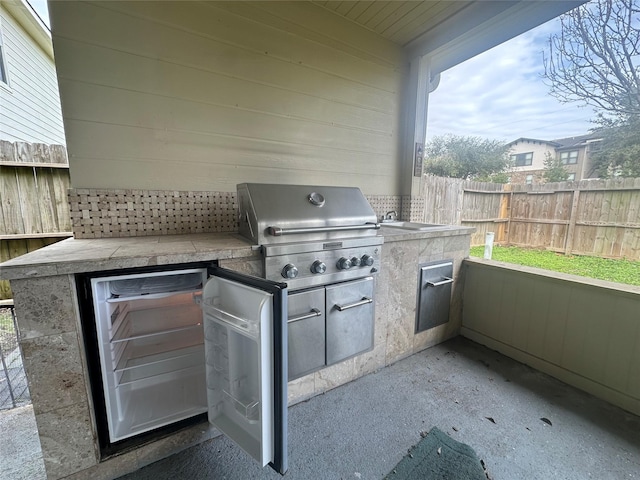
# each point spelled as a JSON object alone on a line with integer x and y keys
{"x": 100, "y": 150}
{"x": 86, "y": 24}
{"x": 159, "y": 95}
{"x": 169, "y": 175}
{"x": 259, "y": 37}
{"x": 135, "y": 109}
{"x": 21, "y": 119}
{"x": 180, "y": 32}
{"x": 173, "y": 81}
{"x": 95, "y": 140}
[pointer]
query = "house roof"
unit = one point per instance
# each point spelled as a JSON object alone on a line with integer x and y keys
{"x": 553, "y": 143}
{"x": 26, "y": 16}
{"x": 578, "y": 141}
{"x": 562, "y": 143}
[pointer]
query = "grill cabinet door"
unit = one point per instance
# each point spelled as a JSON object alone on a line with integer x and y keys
{"x": 350, "y": 319}
{"x": 246, "y": 368}
{"x": 306, "y": 332}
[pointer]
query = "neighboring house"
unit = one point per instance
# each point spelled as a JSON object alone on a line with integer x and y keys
{"x": 34, "y": 169}
{"x": 28, "y": 85}
{"x": 528, "y": 156}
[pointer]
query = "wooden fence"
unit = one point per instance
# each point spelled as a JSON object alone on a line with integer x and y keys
{"x": 34, "y": 212}
{"x": 590, "y": 217}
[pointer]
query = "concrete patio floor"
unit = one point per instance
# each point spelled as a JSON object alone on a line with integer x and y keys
{"x": 362, "y": 429}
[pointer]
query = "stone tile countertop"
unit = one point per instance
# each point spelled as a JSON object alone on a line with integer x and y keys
{"x": 89, "y": 255}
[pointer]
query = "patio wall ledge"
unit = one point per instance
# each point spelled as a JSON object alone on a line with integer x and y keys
{"x": 583, "y": 331}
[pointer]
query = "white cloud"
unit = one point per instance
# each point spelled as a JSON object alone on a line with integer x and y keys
{"x": 500, "y": 95}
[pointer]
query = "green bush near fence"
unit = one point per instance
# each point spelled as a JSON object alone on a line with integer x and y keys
{"x": 613, "y": 270}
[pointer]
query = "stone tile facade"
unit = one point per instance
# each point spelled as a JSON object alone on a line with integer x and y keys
{"x": 53, "y": 346}
{"x": 395, "y": 304}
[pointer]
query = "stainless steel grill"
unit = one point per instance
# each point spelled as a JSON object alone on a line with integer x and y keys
{"x": 310, "y": 235}
{"x": 323, "y": 242}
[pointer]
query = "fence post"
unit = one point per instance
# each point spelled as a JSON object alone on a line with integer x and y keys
{"x": 568, "y": 240}
{"x": 503, "y": 215}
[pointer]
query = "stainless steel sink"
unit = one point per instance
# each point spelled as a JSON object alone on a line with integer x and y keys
{"x": 410, "y": 225}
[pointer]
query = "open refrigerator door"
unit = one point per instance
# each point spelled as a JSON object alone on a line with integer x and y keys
{"x": 245, "y": 322}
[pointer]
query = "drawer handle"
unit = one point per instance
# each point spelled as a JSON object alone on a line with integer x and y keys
{"x": 442, "y": 282}
{"x": 364, "y": 301}
{"x": 313, "y": 313}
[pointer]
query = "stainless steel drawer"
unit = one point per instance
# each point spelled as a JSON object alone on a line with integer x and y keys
{"x": 306, "y": 332}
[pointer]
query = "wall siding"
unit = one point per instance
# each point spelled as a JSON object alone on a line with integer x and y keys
{"x": 30, "y": 104}
{"x": 584, "y": 332}
{"x": 205, "y": 96}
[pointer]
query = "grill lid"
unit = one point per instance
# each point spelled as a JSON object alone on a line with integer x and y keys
{"x": 274, "y": 213}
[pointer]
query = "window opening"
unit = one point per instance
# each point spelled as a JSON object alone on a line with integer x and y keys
{"x": 568, "y": 158}
{"x": 522, "y": 159}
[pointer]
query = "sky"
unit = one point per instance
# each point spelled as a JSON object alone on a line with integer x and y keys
{"x": 500, "y": 95}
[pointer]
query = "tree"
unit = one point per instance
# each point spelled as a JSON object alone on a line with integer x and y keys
{"x": 554, "y": 170}
{"x": 465, "y": 157}
{"x": 596, "y": 58}
{"x": 619, "y": 151}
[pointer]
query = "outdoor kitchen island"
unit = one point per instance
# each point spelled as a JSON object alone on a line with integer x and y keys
{"x": 43, "y": 284}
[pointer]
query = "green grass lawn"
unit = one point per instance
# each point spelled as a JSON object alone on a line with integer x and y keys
{"x": 623, "y": 271}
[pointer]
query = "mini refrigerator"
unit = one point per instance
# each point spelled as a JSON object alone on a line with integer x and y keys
{"x": 177, "y": 342}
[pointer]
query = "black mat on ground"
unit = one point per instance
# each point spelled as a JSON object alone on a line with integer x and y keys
{"x": 438, "y": 456}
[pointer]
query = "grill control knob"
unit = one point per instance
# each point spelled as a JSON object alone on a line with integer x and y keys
{"x": 318, "y": 267}
{"x": 366, "y": 260}
{"x": 344, "y": 264}
{"x": 355, "y": 262}
{"x": 290, "y": 271}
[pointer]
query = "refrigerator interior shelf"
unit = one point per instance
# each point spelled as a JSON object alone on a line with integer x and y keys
{"x": 154, "y": 404}
{"x": 137, "y": 353}
{"x": 136, "y": 369}
{"x": 150, "y": 296}
{"x": 156, "y": 284}
{"x": 157, "y": 321}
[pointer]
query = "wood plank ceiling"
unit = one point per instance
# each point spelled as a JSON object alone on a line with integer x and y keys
{"x": 398, "y": 21}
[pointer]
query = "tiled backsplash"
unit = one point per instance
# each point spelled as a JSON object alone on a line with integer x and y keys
{"x": 97, "y": 213}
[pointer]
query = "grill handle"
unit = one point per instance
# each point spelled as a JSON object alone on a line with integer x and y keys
{"x": 279, "y": 231}
{"x": 364, "y": 301}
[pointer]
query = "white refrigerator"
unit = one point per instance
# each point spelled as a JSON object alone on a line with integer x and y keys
{"x": 176, "y": 343}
